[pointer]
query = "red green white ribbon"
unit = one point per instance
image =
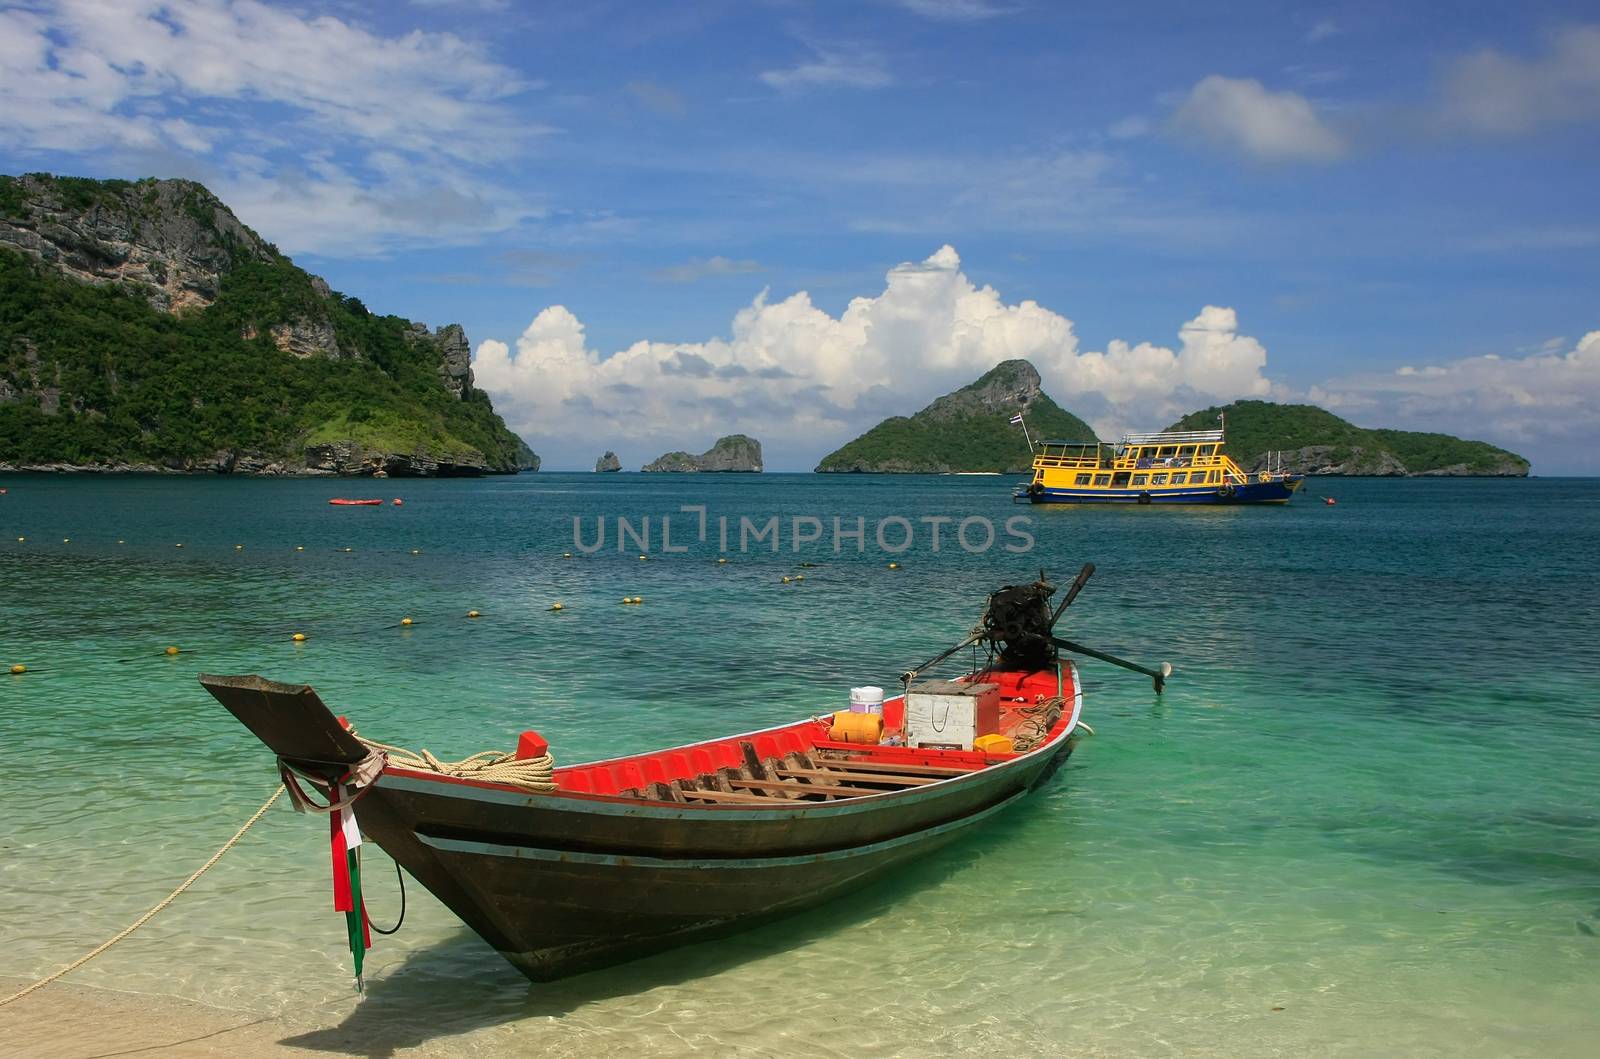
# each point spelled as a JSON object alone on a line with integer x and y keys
{"x": 345, "y": 843}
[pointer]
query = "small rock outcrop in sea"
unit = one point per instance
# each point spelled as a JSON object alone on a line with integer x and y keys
{"x": 968, "y": 430}
{"x": 608, "y": 462}
{"x": 736, "y": 452}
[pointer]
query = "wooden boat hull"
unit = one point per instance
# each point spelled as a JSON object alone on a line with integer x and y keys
{"x": 587, "y": 875}
{"x": 558, "y": 887}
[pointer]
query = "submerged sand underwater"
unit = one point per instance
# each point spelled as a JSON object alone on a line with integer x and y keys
{"x": 1360, "y": 821}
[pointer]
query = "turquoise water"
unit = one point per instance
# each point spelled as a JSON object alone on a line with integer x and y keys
{"x": 1368, "y": 797}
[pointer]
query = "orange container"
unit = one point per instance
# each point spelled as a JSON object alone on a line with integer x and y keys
{"x": 994, "y": 744}
{"x": 856, "y": 727}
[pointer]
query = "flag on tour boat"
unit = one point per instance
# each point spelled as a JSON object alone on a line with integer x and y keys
{"x": 1016, "y": 418}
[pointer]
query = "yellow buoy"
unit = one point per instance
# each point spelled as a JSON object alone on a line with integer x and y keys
{"x": 799, "y": 577}
{"x": 349, "y": 549}
{"x": 299, "y": 547}
{"x": 171, "y": 651}
{"x": 416, "y": 551}
{"x": 643, "y": 557}
{"x": 177, "y": 546}
{"x": 18, "y": 669}
{"x": 566, "y": 555}
{"x": 66, "y": 540}
{"x": 638, "y": 599}
{"x": 722, "y": 560}
{"x": 555, "y": 606}
{"x": 21, "y": 539}
{"x": 238, "y": 547}
{"x": 299, "y": 637}
{"x": 121, "y": 541}
{"x": 405, "y": 621}
{"x": 472, "y": 614}
{"x": 627, "y": 599}
{"x": 894, "y": 566}
{"x": 786, "y": 579}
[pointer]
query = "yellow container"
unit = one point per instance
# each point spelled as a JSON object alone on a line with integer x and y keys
{"x": 994, "y": 744}
{"x": 856, "y": 727}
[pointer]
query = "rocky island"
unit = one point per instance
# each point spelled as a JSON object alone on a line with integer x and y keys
{"x": 607, "y": 463}
{"x": 143, "y": 327}
{"x": 1313, "y": 440}
{"x": 968, "y": 430}
{"x": 736, "y": 452}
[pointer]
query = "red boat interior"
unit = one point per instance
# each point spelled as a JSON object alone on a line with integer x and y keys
{"x": 801, "y": 763}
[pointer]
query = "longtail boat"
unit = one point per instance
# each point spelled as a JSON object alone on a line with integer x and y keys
{"x": 567, "y": 869}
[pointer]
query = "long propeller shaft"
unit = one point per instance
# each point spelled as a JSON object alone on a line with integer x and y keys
{"x": 1159, "y": 675}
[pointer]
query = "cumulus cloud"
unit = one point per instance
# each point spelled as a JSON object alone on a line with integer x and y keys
{"x": 1245, "y": 116}
{"x": 1491, "y": 93}
{"x": 804, "y": 380}
{"x": 1545, "y": 398}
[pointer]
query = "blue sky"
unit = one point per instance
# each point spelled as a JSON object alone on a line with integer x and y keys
{"x": 661, "y": 223}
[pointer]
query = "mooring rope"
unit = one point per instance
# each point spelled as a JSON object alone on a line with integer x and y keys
{"x": 148, "y": 916}
{"x": 490, "y": 766}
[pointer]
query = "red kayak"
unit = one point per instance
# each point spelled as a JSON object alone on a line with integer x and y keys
{"x": 340, "y": 501}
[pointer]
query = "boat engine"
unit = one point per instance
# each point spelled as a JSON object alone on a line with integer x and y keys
{"x": 1016, "y": 623}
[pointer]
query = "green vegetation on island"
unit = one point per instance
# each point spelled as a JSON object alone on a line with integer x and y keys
{"x": 1315, "y": 441}
{"x": 968, "y": 430}
{"x": 141, "y": 325}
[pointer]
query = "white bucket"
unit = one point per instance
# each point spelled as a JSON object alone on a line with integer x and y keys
{"x": 866, "y": 700}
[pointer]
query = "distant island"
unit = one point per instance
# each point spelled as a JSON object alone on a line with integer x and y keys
{"x": 970, "y": 431}
{"x": 736, "y": 452}
{"x": 144, "y": 328}
{"x": 607, "y": 463}
{"x": 1313, "y": 440}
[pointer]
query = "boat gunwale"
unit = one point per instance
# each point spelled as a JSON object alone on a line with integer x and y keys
{"x": 586, "y": 801}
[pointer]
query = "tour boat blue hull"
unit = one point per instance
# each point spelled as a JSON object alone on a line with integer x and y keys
{"x": 1275, "y": 492}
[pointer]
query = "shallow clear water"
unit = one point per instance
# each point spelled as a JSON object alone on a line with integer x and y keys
{"x": 1367, "y": 798}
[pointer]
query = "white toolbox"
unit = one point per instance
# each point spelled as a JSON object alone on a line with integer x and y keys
{"x": 951, "y": 714}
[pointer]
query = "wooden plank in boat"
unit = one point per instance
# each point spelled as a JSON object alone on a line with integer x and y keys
{"x": 835, "y": 760}
{"x": 728, "y": 796}
{"x": 812, "y": 788}
{"x": 857, "y": 777}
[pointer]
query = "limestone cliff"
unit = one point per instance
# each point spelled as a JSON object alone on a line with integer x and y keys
{"x": 736, "y": 452}
{"x": 173, "y": 239}
{"x": 143, "y": 326}
{"x": 607, "y": 463}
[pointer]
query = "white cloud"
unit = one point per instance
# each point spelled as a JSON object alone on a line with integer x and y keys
{"x": 1545, "y": 398}
{"x": 79, "y": 73}
{"x": 1322, "y": 30}
{"x": 805, "y": 381}
{"x": 953, "y": 10}
{"x": 1245, "y": 116}
{"x": 693, "y": 271}
{"x": 833, "y": 66}
{"x": 1492, "y": 93}
{"x": 325, "y": 135}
